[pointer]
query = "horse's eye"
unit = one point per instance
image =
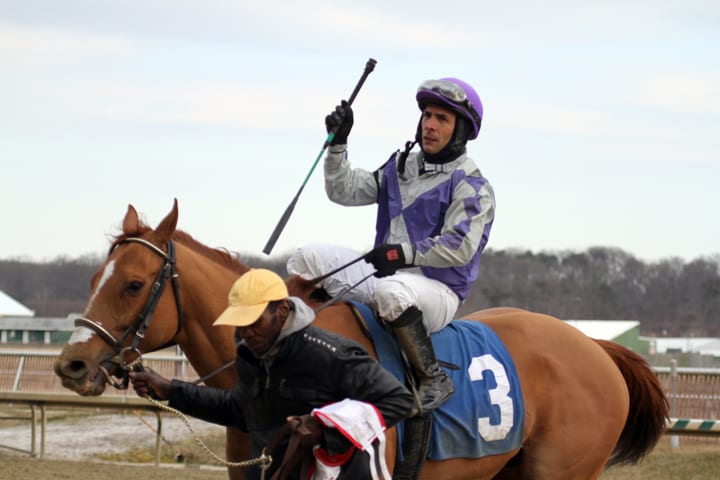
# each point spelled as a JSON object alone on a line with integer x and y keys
{"x": 133, "y": 288}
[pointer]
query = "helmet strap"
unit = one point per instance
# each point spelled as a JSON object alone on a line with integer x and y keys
{"x": 402, "y": 159}
{"x": 461, "y": 133}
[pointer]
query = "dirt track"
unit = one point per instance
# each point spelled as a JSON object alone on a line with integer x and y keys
{"x": 24, "y": 468}
{"x": 85, "y": 437}
{"x": 73, "y": 444}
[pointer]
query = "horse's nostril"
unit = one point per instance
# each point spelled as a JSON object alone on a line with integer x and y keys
{"x": 75, "y": 367}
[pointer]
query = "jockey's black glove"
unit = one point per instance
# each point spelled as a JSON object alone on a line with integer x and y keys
{"x": 386, "y": 259}
{"x": 340, "y": 121}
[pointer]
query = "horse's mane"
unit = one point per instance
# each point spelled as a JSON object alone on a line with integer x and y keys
{"x": 217, "y": 255}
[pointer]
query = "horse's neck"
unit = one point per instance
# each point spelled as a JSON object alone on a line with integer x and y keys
{"x": 204, "y": 288}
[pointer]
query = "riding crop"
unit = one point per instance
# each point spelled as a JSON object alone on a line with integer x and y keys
{"x": 369, "y": 66}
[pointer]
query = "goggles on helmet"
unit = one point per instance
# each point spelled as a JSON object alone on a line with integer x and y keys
{"x": 452, "y": 92}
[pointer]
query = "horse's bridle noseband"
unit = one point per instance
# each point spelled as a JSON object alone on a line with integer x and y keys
{"x": 142, "y": 321}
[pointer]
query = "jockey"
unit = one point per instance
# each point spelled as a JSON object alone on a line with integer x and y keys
{"x": 435, "y": 212}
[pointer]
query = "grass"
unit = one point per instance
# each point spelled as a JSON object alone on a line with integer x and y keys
{"x": 692, "y": 461}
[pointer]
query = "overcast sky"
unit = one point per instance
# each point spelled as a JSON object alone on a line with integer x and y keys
{"x": 601, "y": 126}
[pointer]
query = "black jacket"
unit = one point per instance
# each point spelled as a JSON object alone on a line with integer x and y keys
{"x": 311, "y": 368}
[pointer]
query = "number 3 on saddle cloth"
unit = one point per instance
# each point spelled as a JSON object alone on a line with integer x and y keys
{"x": 486, "y": 414}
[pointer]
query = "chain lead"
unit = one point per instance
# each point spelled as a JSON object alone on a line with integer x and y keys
{"x": 264, "y": 460}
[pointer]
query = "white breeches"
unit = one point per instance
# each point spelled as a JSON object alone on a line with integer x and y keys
{"x": 388, "y": 296}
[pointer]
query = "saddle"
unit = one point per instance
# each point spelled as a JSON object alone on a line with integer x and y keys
{"x": 488, "y": 392}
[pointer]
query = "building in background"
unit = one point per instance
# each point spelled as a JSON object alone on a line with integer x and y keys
{"x": 9, "y": 307}
{"x": 624, "y": 332}
{"x": 20, "y": 326}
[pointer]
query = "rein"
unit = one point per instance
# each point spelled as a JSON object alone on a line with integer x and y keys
{"x": 341, "y": 267}
{"x": 337, "y": 297}
{"x": 342, "y": 293}
{"x": 142, "y": 321}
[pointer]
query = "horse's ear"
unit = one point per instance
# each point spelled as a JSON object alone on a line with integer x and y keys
{"x": 166, "y": 227}
{"x": 131, "y": 223}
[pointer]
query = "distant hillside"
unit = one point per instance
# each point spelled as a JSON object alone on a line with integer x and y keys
{"x": 669, "y": 297}
{"x": 61, "y": 286}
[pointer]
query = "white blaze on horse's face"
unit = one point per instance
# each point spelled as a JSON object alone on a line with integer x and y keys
{"x": 84, "y": 334}
{"x": 80, "y": 335}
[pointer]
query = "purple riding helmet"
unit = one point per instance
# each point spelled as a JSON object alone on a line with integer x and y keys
{"x": 456, "y": 95}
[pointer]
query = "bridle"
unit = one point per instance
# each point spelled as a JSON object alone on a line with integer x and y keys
{"x": 142, "y": 321}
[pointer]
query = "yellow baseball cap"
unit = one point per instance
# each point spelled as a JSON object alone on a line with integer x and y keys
{"x": 250, "y": 296}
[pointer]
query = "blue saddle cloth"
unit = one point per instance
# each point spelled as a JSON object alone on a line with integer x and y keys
{"x": 486, "y": 414}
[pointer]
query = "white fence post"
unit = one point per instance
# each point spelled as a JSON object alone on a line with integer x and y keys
{"x": 18, "y": 373}
{"x": 674, "y": 439}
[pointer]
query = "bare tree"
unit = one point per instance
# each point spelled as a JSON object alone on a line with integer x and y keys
{"x": 668, "y": 297}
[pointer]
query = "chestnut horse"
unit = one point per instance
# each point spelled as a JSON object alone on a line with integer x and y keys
{"x": 588, "y": 404}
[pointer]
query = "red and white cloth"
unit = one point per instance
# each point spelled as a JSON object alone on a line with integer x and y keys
{"x": 363, "y": 425}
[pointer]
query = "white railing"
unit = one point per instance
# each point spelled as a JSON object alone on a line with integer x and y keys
{"x": 24, "y": 371}
{"x": 27, "y": 378}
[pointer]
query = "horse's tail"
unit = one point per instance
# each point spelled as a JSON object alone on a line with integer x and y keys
{"x": 649, "y": 407}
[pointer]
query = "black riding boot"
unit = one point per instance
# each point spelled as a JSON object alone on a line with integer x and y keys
{"x": 435, "y": 387}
